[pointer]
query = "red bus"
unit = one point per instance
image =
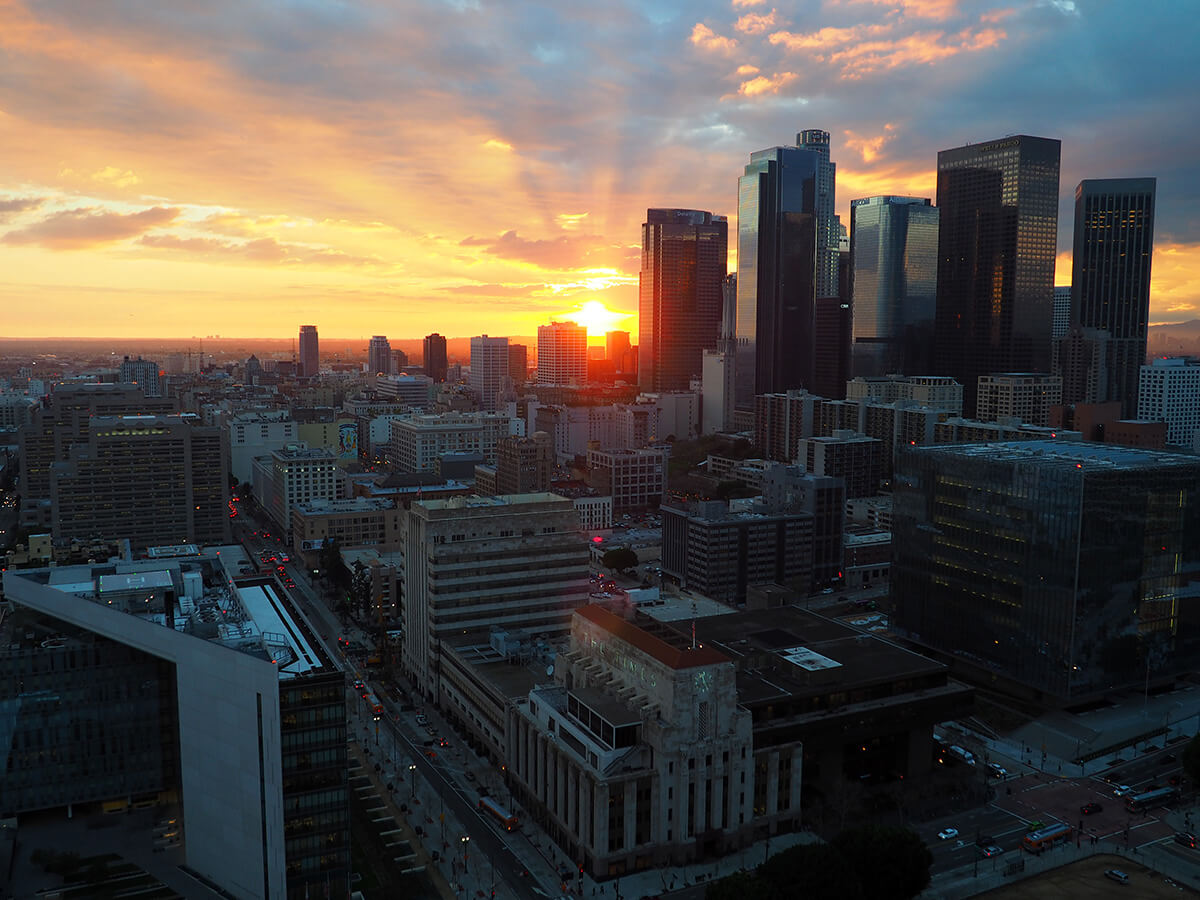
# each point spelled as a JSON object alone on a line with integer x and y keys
{"x": 1044, "y": 838}
{"x": 498, "y": 812}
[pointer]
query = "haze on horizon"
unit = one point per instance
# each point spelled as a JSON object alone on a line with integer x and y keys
{"x": 249, "y": 167}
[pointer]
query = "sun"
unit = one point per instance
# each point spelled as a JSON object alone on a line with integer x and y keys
{"x": 597, "y": 318}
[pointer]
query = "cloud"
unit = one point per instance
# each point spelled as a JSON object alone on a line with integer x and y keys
{"x": 740, "y": 4}
{"x": 19, "y": 204}
{"x": 869, "y": 147}
{"x": 497, "y": 144}
{"x": 493, "y": 290}
{"x": 766, "y": 85}
{"x": 116, "y": 177}
{"x": 707, "y": 39}
{"x": 747, "y": 70}
{"x": 755, "y": 23}
{"x": 260, "y": 250}
{"x": 559, "y": 253}
{"x": 919, "y": 9}
{"x": 827, "y": 38}
{"x": 923, "y": 48}
{"x": 77, "y": 229}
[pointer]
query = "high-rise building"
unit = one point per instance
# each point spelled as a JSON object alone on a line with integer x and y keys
{"x": 684, "y": 254}
{"x": 399, "y": 360}
{"x": 518, "y": 363}
{"x": 254, "y": 434}
{"x": 828, "y": 226}
{"x": 776, "y": 277}
{"x": 1169, "y": 391}
{"x": 1062, "y": 311}
{"x": 434, "y": 359}
{"x": 893, "y": 262}
{"x": 562, "y": 353}
{"x": 1081, "y": 361}
{"x": 145, "y": 374}
{"x": 524, "y": 464}
{"x": 489, "y": 369}
{"x": 616, "y": 345}
{"x": 997, "y": 237}
{"x": 379, "y": 356}
{"x": 832, "y": 327}
{"x": 1061, "y": 567}
{"x": 1110, "y": 274}
{"x": 294, "y": 474}
{"x": 310, "y": 356}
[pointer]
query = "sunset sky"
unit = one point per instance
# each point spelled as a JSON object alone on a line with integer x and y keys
{"x": 174, "y": 169}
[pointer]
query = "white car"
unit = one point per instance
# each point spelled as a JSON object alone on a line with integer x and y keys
{"x": 998, "y": 770}
{"x": 946, "y": 833}
{"x": 1121, "y": 790}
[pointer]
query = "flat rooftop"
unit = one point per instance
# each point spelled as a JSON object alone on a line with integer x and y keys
{"x": 1085, "y": 455}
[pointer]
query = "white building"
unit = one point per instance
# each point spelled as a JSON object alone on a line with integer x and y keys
{"x": 1024, "y": 396}
{"x": 295, "y": 474}
{"x": 415, "y": 390}
{"x": 418, "y": 442}
{"x": 561, "y": 353}
{"x": 1169, "y": 391}
{"x": 717, "y": 375}
{"x": 489, "y": 369}
{"x": 595, "y": 513}
{"x": 678, "y": 414}
{"x": 935, "y": 391}
{"x": 256, "y": 434}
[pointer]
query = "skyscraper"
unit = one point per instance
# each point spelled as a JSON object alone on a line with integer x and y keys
{"x": 1062, "y": 311}
{"x": 518, "y": 363}
{"x": 1110, "y": 274}
{"x": 561, "y": 353}
{"x": 996, "y": 247}
{"x": 828, "y": 226}
{"x": 435, "y": 357}
{"x": 379, "y": 356}
{"x": 893, "y": 262}
{"x": 310, "y": 359}
{"x": 616, "y": 346}
{"x": 684, "y": 254}
{"x": 776, "y": 286}
{"x": 145, "y": 374}
{"x": 489, "y": 369}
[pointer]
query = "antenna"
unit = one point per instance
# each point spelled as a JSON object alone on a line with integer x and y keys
{"x": 693, "y": 623}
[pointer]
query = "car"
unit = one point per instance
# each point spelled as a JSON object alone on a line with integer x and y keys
{"x": 1188, "y": 840}
{"x": 1174, "y": 780}
{"x": 1116, "y": 875}
{"x": 442, "y": 742}
{"x": 827, "y": 591}
{"x": 422, "y": 720}
{"x": 989, "y": 851}
{"x": 359, "y": 684}
{"x": 1121, "y": 790}
{"x": 1090, "y": 808}
{"x": 947, "y": 833}
{"x": 997, "y": 770}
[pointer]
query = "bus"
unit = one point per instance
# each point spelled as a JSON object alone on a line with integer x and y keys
{"x": 1150, "y": 799}
{"x": 374, "y": 705}
{"x": 498, "y": 812}
{"x": 1043, "y": 838}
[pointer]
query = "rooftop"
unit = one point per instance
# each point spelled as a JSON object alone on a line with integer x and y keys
{"x": 670, "y": 647}
{"x": 1088, "y": 456}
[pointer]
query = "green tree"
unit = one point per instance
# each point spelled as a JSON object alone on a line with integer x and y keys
{"x": 892, "y": 862}
{"x": 828, "y": 875}
{"x": 330, "y": 559}
{"x": 619, "y": 559}
{"x": 1191, "y": 760}
{"x": 360, "y": 589}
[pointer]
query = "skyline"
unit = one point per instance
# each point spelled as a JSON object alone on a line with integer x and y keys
{"x": 251, "y": 170}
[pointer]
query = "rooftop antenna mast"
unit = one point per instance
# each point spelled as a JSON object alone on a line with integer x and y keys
{"x": 693, "y": 623}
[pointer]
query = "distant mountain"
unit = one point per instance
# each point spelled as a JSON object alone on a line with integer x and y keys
{"x": 1176, "y": 339}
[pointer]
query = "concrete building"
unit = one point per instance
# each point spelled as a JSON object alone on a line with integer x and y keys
{"x": 434, "y": 361}
{"x": 178, "y": 685}
{"x": 1081, "y": 358}
{"x": 823, "y": 498}
{"x": 254, "y": 434}
{"x": 379, "y": 356}
{"x": 309, "y": 364}
{"x": 1062, "y": 311}
{"x": 418, "y": 442}
{"x": 719, "y": 553}
{"x": 935, "y": 391}
{"x": 148, "y": 479}
{"x": 524, "y": 465}
{"x": 1064, "y": 570}
{"x": 782, "y": 420}
{"x": 849, "y": 455}
{"x": 413, "y": 390}
{"x": 471, "y": 563}
{"x": 1018, "y": 395}
{"x": 293, "y": 475}
{"x": 561, "y": 353}
{"x": 635, "y": 479}
{"x": 352, "y": 522}
{"x": 972, "y": 431}
{"x": 143, "y": 373}
{"x": 518, "y": 363}
{"x": 1169, "y": 391}
{"x": 717, "y": 391}
{"x": 489, "y": 370}
{"x": 16, "y": 409}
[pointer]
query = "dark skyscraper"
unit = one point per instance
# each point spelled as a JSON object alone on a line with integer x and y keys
{"x": 684, "y": 253}
{"x": 435, "y": 357}
{"x": 776, "y": 277}
{"x": 310, "y": 357}
{"x": 1110, "y": 276}
{"x": 518, "y": 363}
{"x": 893, "y": 260}
{"x": 828, "y": 226}
{"x": 996, "y": 244}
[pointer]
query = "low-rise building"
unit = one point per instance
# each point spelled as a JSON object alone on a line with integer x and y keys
{"x": 1024, "y": 396}
{"x": 418, "y": 442}
{"x": 635, "y": 479}
{"x": 352, "y": 522}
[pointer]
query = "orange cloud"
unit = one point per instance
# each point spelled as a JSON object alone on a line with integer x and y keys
{"x": 261, "y": 250}
{"x": 754, "y": 23}
{"x": 923, "y": 48}
{"x": 881, "y": 180}
{"x": 76, "y": 229}
{"x": 741, "y": 4}
{"x": 827, "y": 38}
{"x": 747, "y": 70}
{"x": 764, "y": 85}
{"x": 919, "y": 9}
{"x": 866, "y": 147}
{"x": 1175, "y": 282}
{"x": 707, "y": 39}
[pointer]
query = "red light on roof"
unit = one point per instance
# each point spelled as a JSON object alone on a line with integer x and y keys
{"x": 597, "y": 540}
{"x": 1079, "y": 465}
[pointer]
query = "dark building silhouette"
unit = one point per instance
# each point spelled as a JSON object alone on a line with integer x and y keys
{"x": 435, "y": 357}
{"x": 1110, "y": 275}
{"x": 684, "y": 254}
{"x": 893, "y": 263}
{"x": 998, "y": 206}
{"x": 518, "y": 363}
{"x": 309, "y": 364}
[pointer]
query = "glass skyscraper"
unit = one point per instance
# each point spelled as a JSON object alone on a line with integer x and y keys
{"x": 776, "y": 277}
{"x": 998, "y": 203}
{"x": 829, "y": 228}
{"x": 1110, "y": 275}
{"x": 893, "y": 263}
{"x": 684, "y": 255}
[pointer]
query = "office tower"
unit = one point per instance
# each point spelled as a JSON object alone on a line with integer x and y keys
{"x": 1024, "y": 396}
{"x": 1062, "y": 311}
{"x": 1110, "y": 274}
{"x": 379, "y": 356}
{"x": 1169, "y": 391}
{"x": 399, "y": 361}
{"x": 1081, "y": 361}
{"x": 832, "y": 329}
{"x": 524, "y": 464}
{"x": 561, "y": 353}
{"x": 1059, "y": 568}
{"x": 489, "y": 369}
{"x": 518, "y": 363}
{"x": 893, "y": 263}
{"x": 848, "y": 455}
{"x": 145, "y": 374}
{"x": 680, "y": 301}
{"x": 294, "y": 474}
{"x": 616, "y": 346}
{"x": 175, "y": 681}
{"x": 147, "y": 479}
{"x": 776, "y": 286}
{"x": 635, "y": 479}
{"x": 310, "y": 357}
{"x": 828, "y": 226}
{"x": 434, "y": 359}
{"x": 417, "y": 443}
{"x": 536, "y": 574}
{"x": 996, "y": 244}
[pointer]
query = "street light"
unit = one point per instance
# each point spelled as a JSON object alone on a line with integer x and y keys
{"x": 466, "y": 838}
{"x": 412, "y": 777}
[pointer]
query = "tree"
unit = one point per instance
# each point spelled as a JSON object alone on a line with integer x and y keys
{"x": 619, "y": 559}
{"x": 742, "y": 886}
{"x": 828, "y": 875}
{"x": 892, "y": 862}
{"x": 330, "y": 558}
{"x": 360, "y": 589}
{"x": 1191, "y": 760}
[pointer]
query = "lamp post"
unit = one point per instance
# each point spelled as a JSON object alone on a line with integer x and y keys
{"x": 466, "y": 838}
{"x": 412, "y": 777}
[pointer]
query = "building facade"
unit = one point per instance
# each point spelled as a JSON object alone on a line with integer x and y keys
{"x": 828, "y": 226}
{"x": 1024, "y": 396}
{"x": 434, "y": 360}
{"x": 635, "y": 479}
{"x": 524, "y": 465}
{"x": 293, "y": 475}
{"x": 489, "y": 370}
{"x": 254, "y": 434}
{"x": 143, "y": 373}
{"x": 379, "y": 356}
{"x": 848, "y": 455}
{"x": 418, "y": 442}
{"x": 1169, "y": 391}
{"x": 309, "y": 364}
{"x": 561, "y": 353}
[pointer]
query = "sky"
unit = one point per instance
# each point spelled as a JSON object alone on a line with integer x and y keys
{"x": 241, "y": 168}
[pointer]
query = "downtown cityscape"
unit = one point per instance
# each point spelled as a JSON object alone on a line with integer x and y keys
{"x": 808, "y": 508}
